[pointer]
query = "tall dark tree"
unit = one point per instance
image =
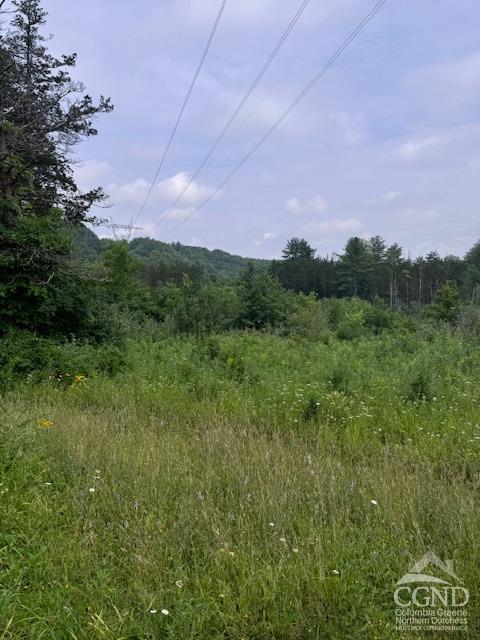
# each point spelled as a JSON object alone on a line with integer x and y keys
{"x": 299, "y": 270}
{"x": 261, "y": 299}
{"x": 43, "y": 115}
{"x": 472, "y": 277}
{"x": 298, "y": 249}
{"x": 377, "y": 248}
{"x": 354, "y": 266}
{"x": 393, "y": 257}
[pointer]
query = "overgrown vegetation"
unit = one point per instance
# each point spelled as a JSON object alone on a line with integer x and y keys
{"x": 230, "y": 480}
{"x": 197, "y": 446}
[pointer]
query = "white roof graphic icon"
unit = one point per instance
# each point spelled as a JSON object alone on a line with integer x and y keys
{"x": 417, "y": 572}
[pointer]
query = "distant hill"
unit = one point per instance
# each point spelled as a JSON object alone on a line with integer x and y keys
{"x": 89, "y": 246}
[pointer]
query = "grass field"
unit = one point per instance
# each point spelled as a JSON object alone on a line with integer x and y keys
{"x": 240, "y": 487}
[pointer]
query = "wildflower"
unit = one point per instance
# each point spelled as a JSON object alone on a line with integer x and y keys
{"x": 282, "y": 540}
{"x": 295, "y": 550}
{"x": 271, "y": 524}
{"x": 165, "y": 612}
{"x": 336, "y": 572}
{"x": 92, "y": 489}
{"x": 45, "y": 424}
{"x": 153, "y": 611}
{"x": 48, "y": 484}
{"x": 179, "y": 584}
{"x": 374, "y": 503}
{"x": 79, "y": 379}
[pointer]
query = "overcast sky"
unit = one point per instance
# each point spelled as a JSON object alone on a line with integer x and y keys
{"x": 387, "y": 143}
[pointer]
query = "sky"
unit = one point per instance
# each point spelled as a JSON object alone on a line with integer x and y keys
{"x": 387, "y": 143}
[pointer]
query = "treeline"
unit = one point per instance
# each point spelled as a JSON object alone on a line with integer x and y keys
{"x": 374, "y": 271}
{"x": 161, "y": 255}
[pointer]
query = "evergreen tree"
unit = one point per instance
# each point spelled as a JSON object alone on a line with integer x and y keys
{"x": 393, "y": 257}
{"x": 298, "y": 249}
{"x": 261, "y": 299}
{"x": 122, "y": 269}
{"x": 377, "y": 248}
{"x": 447, "y": 303}
{"x": 354, "y": 265}
{"x": 299, "y": 270}
{"x": 472, "y": 276}
{"x": 43, "y": 115}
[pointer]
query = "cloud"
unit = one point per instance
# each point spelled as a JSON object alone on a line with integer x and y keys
{"x": 171, "y": 189}
{"x": 419, "y": 216}
{"x": 397, "y": 115}
{"x": 92, "y": 173}
{"x": 420, "y": 147}
{"x": 268, "y": 179}
{"x": 258, "y": 114}
{"x": 461, "y": 72}
{"x": 334, "y": 227}
{"x": 315, "y": 204}
{"x": 134, "y": 192}
{"x": 268, "y": 236}
{"x": 386, "y": 198}
{"x": 352, "y": 126}
{"x": 129, "y": 193}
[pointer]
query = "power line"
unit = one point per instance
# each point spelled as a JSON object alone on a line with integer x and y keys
{"x": 283, "y": 72}
{"x": 238, "y": 108}
{"x": 182, "y": 110}
{"x": 287, "y": 112}
{"x": 179, "y": 35}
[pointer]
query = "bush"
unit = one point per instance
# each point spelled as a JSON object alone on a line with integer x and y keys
{"x": 308, "y": 319}
{"x": 420, "y": 381}
{"x": 26, "y": 356}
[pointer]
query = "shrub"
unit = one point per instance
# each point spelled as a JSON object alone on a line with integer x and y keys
{"x": 308, "y": 319}
{"x": 24, "y": 355}
{"x": 420, "y": 382}
{"x": 352, "y": 326}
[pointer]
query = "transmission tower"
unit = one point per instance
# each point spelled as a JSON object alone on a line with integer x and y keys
{"x": 120, "y": 231}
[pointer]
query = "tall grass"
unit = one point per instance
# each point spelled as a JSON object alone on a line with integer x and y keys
{"x": 250, "y": 486}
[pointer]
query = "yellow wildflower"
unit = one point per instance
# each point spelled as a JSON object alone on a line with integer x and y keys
{"x": 45, "y": 424}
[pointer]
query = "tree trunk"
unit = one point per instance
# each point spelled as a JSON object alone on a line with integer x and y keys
{"x": 6, "y": 182}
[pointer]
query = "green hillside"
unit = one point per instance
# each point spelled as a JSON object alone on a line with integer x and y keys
{"x": 152, "y": 252}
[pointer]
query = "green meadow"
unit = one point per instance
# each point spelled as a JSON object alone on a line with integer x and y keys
{"x": 240, "y": 486}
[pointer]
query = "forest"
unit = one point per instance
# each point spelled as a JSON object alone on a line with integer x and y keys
{"x": 199, "y": 445}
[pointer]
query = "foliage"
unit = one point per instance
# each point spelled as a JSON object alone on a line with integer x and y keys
{"x": 44, "y": 118}
{"x": 298, "y": 249}
{"x": 249, "y": 485}
{"x": 262, "y": 303}
{"x": 26, "y": 357}
{"x": 447, "y": 303}
{"x": 373, "y": 271}
{"x": 41, "y": 289}
{"x": 181, "y": 257}
{"x": 198, "y": 307}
